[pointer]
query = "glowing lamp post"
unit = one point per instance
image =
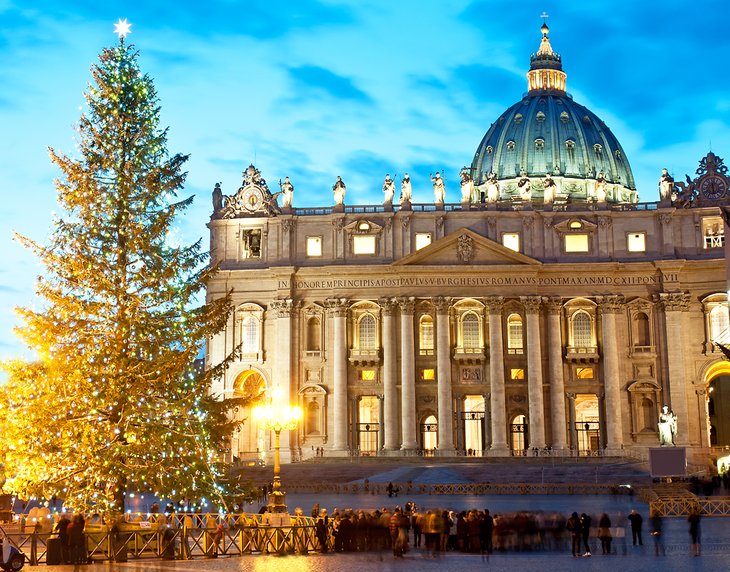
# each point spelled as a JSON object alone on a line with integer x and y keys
{"x": 277, "y": 417}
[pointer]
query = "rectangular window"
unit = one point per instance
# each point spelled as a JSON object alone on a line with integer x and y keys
{"x": 636, "y": 241}
{"x": 423, "y": 239}
{"x": 363, "y": 244}
{"x": 511, "y": 240}
{"x": 428, "y": 374}
{"x": 251, "y": 247}
{"x": 713, "y": 232}
{"x": 576, "y": 243}
{"x": 584, "y": 373}
{"x": 517, "y": 373}
{"x": 314, "y": 246}
{"x": 366, "y": 375}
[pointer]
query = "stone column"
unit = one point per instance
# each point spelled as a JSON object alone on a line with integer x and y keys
{"x": 496, "y": 376}
{"x": 282, "y": 370}
{"x": 443, "y": 376}
{"x": 571, "y": 422}
{"x": 557, "y": 382}
{"x": 407, "y": 374}
{"x": 534, "y": 371}
{"x": 487, "y": 425}
{"x": 674, "y": 306}
{"x": 390, "y": 378}
{"x": 611, "y": 306}
{"x": 381, "y": 424}
{"x": 338, "y": 315}
{"x": 355, "y": 428}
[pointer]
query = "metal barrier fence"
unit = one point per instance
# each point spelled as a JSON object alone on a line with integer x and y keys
{"x": 240, "y": 534}
{"x": 463, "y": 488}
{"x": 685, "y": 505}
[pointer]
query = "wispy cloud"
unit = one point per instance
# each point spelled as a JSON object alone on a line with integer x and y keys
{"x": 313, "y": 82}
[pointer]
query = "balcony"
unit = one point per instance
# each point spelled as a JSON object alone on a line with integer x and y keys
{"x": 469, "y": 355}
{"x": 582, "y": 354}
{"x": 362, "y": 356}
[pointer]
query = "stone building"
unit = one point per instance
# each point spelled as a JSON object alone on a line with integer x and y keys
{"x": 546, "y": 310}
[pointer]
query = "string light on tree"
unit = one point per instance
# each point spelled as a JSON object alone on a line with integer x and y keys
{"x": 114, "y": 401}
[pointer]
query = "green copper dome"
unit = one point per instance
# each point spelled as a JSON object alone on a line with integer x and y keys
{"x": 549, "y": 133}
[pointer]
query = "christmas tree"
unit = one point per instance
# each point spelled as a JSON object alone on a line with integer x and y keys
{"x": 115, "y": 401}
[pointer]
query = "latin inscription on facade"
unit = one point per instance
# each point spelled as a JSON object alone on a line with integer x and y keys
{"x": 411, "y": 281}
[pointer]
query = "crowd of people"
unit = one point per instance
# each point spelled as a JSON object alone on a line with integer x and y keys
{"x": 478, "y": 531}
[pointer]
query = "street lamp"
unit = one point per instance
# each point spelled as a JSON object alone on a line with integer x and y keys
{"x": 277, "y": 416}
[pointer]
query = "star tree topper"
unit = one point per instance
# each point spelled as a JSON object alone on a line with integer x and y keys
{"x": 122, "y": 28}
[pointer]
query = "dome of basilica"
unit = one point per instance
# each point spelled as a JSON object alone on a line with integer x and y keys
{"x": 547, "y": 133}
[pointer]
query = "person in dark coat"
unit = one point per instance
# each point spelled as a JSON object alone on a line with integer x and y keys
{"x": 694, "y": 531}
{"x": 62, "y": 530}
{"x": 655, "y": 521}
{"x": 636, "y": 521}
{"x": 573, "y": 526}
{"x": 486, "y": 527}
{"x": 604, "y": 533}
{"x": 585, "y": 528}
{"x": 322, "y": 529}
{"x": 77, "y": 540}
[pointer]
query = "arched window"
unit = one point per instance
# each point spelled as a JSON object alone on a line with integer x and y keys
{"x": 367, "y": 333}
{"x": 470, "y": 331}
{"x": 514, "y": 333}
{"x": 641, "y": 330}
{"x": 425, "y": 338}
{"x": 582, "y": 330}
{"x": 314, "y": 335}
{"x": 719, "y": 321}
{"x": 250, "y": 335}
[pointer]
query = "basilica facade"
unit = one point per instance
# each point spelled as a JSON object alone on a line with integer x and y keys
{"x": 547, "y": 311}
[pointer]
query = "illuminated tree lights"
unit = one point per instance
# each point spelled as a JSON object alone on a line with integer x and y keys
{"x": 114, "y": 402}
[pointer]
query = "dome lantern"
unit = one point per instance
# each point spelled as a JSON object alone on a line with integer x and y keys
{"x": 546, "y": 69}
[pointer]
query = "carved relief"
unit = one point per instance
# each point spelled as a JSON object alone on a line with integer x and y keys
{"x": 407, "y": 305}
{"x": 532, "y": 304}
{"x": 336, "y": 307}
{"x": 283, "y": 308}
{"x": 554, "y": 305}
{"x": 611, "y": 304}
{"x": 494, "y": 304}
{"x": 673, "y": 301}
{"x": 441, "y": 304}
{"x": 465, "y": 248}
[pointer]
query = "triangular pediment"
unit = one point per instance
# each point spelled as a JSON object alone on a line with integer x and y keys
{"x": 466, "y": 247}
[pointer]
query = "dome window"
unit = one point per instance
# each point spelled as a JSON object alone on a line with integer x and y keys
{"x": 540, "y": 117}
{"x": 539, "y": 144}
{"x": 518, "y": 118}
{"x": 570, "y": 145}
{"x": 586, "y": 120}
{"x": 564, "y": 117}
{"x": 510, "y": 145}
{"x": 490, "y": 149}
{"x": 618, "y": 153}
{"x": 598, "y": 150}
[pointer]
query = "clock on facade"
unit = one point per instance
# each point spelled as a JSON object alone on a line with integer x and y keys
{"x": 251, "y": 199}
{"x": 713, "y": 187}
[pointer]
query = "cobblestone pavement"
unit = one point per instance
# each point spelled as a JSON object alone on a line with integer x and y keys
{"x": 627, "y": 558}
{"x": 641, "y": 560}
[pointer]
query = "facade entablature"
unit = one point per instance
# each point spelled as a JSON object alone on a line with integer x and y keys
{"x": 436, "y": 237}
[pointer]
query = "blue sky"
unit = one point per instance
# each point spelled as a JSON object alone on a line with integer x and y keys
{"x": 314, "y": 89}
